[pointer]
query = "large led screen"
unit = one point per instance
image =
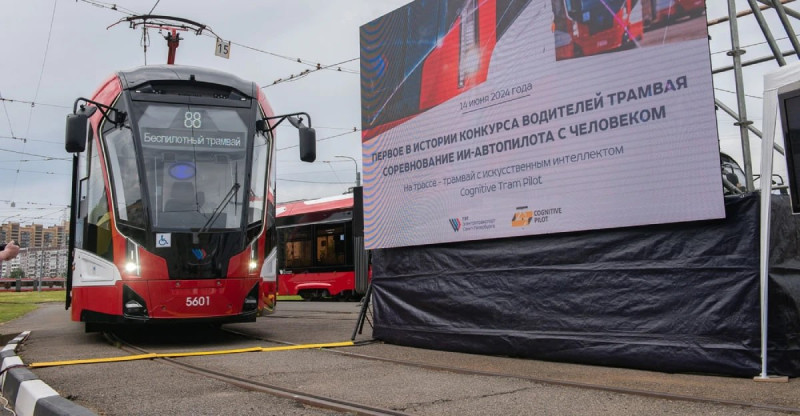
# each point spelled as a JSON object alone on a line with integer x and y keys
{"x": 499, "y": 118}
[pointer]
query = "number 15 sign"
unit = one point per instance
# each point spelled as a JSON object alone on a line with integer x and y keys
{"x": 223, "y": 48}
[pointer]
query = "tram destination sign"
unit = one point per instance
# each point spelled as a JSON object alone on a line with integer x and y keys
{"x": 489, "y": 119}
{"x": 198, "y": 139}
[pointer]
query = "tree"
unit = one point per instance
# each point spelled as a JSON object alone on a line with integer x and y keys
{"x": 17, "y": 274}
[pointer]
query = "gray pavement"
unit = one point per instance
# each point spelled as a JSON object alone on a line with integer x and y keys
{"x": 150, "y": 388}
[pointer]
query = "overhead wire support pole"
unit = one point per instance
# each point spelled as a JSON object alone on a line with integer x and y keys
{"x": 742, "y": 121}
{"x": 169, "y": 23}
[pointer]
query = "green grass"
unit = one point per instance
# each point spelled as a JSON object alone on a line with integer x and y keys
{"x": 15, "y": 304}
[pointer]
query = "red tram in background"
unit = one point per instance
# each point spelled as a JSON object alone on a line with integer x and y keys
{"x": 662, "y": 11}
{"x": 321, "y": 248}
{"x": 590, "y": 27}
{"x": 173, "y": 199}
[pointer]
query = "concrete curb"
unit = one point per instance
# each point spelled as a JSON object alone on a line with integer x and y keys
{"x": 29, "y": 395}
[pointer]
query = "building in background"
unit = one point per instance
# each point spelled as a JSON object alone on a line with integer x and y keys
{"x": 43, "y": 250}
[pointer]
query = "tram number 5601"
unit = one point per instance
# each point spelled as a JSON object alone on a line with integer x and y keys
{"x": 193, "y": 301}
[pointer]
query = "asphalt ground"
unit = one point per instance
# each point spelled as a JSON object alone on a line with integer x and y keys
{"x": 509, "y": 385}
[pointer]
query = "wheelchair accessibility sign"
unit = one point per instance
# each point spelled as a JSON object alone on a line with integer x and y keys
{"x": 163, "y": 240}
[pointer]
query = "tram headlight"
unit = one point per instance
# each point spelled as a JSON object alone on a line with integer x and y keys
{"x": 132, "y": 258}
{"x": 253, "y": 263}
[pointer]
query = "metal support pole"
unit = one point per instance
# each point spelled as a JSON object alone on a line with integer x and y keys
{"x": 767, "y": 33}
{"x": 362, "y": 315}
{"x": 358, "y": 174}
{"x": 790, "y": 12}
{"x": 751, "y": 62}
{"x": 742, "y": 120}
{"x": 787, "y": 25}
{"x": 750, "y": 127}
{"x": 766, "y": 5}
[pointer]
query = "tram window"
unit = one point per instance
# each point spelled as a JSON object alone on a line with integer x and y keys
{"x": 125, "y": 176}
{"x": 297, "y": 247}
{"x": 98, "y": 238}
{"x": 194, "y": 161}
{"x": 261, "y": 150}
{"x": 82, "y": 206}
{"x": 331, "y": 247}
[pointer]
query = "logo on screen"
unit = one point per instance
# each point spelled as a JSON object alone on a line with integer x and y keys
{"x": 521, "y": 218}
{"x": 455, "y": 223}
{"x": 199, "y": 253}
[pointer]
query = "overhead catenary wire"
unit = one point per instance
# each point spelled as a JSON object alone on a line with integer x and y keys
{"x": 31, "y": 160}
{"x": 35, "y": 171}
{"x": 355, "y": 130}
{"x": 154, "y": 7}
{"x": 109, "y": 6}
{"x": 28, "y": 139}
{"x": 36, "y": 92}
{"x": 25, "y": 218}
{"x": 316, "y": 66}
{"x": 307, "y": 62}
{"x": 303, "y": 74}
{"x": 33, "y": 103}
{"x": 734, "y": 92}
{"x": 748, "y": 46}
{"x": 46, "y": 204}
{"x": 5, "y": 109}
{"x": 34, "y": 154}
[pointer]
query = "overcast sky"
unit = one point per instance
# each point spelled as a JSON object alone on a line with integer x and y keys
{"x": 55, "y": 51}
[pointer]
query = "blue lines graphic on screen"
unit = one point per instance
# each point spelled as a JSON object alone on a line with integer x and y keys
{"x": 455, "y": 223}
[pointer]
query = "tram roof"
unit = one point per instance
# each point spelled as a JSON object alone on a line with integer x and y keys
{"x": 315, "y": 205}
{"x": 132, "y": 78}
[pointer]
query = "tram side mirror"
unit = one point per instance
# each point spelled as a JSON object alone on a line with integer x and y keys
{"x": 78, "y": 130}
{"x": 308, "y": 144}
{"x": 308, "y": 136}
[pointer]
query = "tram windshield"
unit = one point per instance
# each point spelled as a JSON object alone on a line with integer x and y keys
{"x": 195, "y": 164}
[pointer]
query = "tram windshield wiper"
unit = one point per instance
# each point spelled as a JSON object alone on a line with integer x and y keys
{"x": 217, "y": 211}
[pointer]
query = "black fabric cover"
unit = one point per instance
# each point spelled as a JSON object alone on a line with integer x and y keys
{"x": 672, "y": 298}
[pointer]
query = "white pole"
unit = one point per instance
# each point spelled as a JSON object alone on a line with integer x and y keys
{"x": 768, "y": 139}
{"x": 773, "y": 82}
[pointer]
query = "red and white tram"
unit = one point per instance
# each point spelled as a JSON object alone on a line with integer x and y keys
{"x": 320, "y": 248}
{"x": 173, "y": 205}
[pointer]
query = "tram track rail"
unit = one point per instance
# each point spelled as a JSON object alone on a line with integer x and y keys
{"x": 543, "y": 380}
{"x": 318, "y": 401}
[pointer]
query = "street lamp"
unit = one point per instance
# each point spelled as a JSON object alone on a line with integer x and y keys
{"x": 358, "y": 174}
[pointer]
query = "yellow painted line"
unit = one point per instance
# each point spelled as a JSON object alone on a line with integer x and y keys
{"x": 189, "y": 354}
{"x": 309, "y": 346}
{"x": 198, "y": 353}
{"x": 94, "y": 360}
